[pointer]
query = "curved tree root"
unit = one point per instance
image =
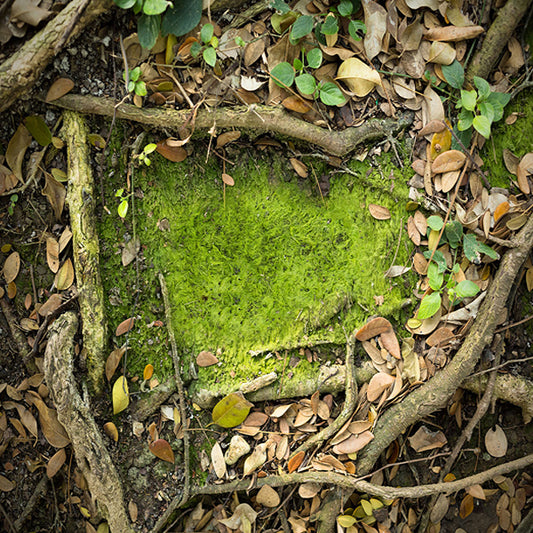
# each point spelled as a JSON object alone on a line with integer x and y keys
{"x": 435, "y": 393}
{"x": 75, "y": 414}
{"x": 23, "y": 68}
{"x": 260, "y": 119}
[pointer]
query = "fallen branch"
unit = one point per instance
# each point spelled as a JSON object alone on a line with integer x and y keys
{"x": 23, "y": 68}
{"x": 259, "y": 119}
{"x": 434, "y": 394}
{"x": 75, "y": 414}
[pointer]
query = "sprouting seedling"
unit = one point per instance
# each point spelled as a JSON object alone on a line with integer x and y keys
{"x": 143, "y": 156}
{"x": 13, "y": 199}
{"x": 208, "y": 45}
{"x": 124, "y": 202}
{"x": 133, "y": 82}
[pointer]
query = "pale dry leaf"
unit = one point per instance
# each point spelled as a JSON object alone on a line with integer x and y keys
{"x": 227, "y": 137}
{"x": 217, "y": 459}
{"x": 299, "y": 167}
{"x": 16, "y": 149}
{"x": 52, "y": 254}
{"x": 448, "y": 161}
{"x": 496, "y": 441}
{"x": 113, "y": 361}
{"x": 424, "y": 439}
{"x": 379, "y": 212}
{"x": 228, "y": 180}
{"x": 256, "y": 459}
{"x": 354, "y": 443}
{"x": 64, "y": 277}
{"x": 453, "y": 33}
{"x": 267, "y": 497}
{"x": 206, "y": 358}
{"x": 130, "y": 251}
{"x": 53, "y": 431}
{"x": 476, "y": 491}
{"x": 523, "y": 170}
{"x": 358, "y": 76}
{"x": 133, "y": 510}
{"x": 373, "y": 328}
{"x": 390, "y": 342}
{"x": 238, "y": 447}
{"x": 441, "y": 53}
{"x": 28, "y": 12}
{"x": 11, "y": 267}
{"x": 56, "y": 194}
{"x": 412, "y": 231}
{"x": 379, "y": 383}
{"x": 376, "y": 27}
{"x": 55, "y": 463}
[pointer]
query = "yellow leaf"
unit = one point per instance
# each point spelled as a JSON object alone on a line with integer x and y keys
{"x": 121, "y": 397}
{"x": 358, "y": 76}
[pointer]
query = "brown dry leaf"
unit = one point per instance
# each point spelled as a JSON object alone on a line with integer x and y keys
{"x": 359, "y": 426}
{"x": 476, "y": 491}
{"x": 217, "y": 459}
{"x": 453, "y": 33}
{"x": 375, "y": 327}
{"x": 55, "y": 463}
{"x": 111, "y": 431}
{"x": 441, "y": 53}
{"x": 53, "y": 431}
{"x": 523, "y": 170}
{"x": 421, "y": 223}
{"x": 16, "y": 149}
{"x": 354, "y": 443}
{"x": 124, "y": 326}
{"x": 56, "y": 193}
{"x": 467, "y": 506}
{"x": 228, "y": 180}
{"x": 510, "y": 160}
{"x": 256, "y": 419}
{"x": 308, "y": 490}
{"x": 376, "y": 27}
{"x": 28, "y": 420}
{"x": 440, "y": 337}
{"x": 420, "y": 264}
{"x": 425, "y": 439}
{"x": 27, "y": 301}
{"x": 295, "y": 461}
{"x": 52, "y": 254}
{"x": 253, "y": 51}
{"x": 64, "y": 238}
{"x": 529, "y": 279}
{"x": 486, "y": 223}
{"x": 448, "y": 161}
{"x": 379, "y": 383}
{"x": 65, "y": 276}
{"x": 11, "y": 290}
{"x": 6, "y": 485}
{"x": 227, "y": 137}
{"x": 379, "y": 212}
{"x": 496, "y": 441}
{"x": 59, "y": 88}
{"x": 412, "y": 231}
{"x": 390, "y": 342}
{"x": 296, "y": 104}
{"x": 439, "y": 509}
{"x": 51, "y": 305}
{"x": 112, "y": 362}
{"x": 28, "y": 12}
{"x": 162, "y": 450}
{"x": 11, "y": 267}
{"x": 205, "y": 358}
{"x": 175, "y": 154}
{"x": 267, "y": 497}
{"x": 299, "y": 167}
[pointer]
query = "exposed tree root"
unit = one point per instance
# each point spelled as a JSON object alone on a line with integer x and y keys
{"x": 75, "y": 414}
{"x": 23, "y": 68}
{"x": 435, "y": 393}
{"x": 259, "y": 119}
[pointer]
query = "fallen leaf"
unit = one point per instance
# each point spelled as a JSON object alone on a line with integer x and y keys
{"x": 496, "y": 441}
{"x": 267, "y": 497}
{"x": 130, "y": 251}
{"x": 390, "y": 342}
{"x": 358, "y": 76}
{"x": 59, "y": 88}
{"x": 231, "y": 410}
{"x": 64, "y": 238}
{"x": 425, "y": 439}
{"x": 112, "y": 362}
{"x": 55, "y": 463}
{"x": 467, "y": 506}
{"x": 441, "y": 53}
{"x": 28, "y": 12}
{"x": 161, "y": 449}
{"x": 354, "y": 443}
{"x": 65, "y": 276}
{"x": 111, "y": 431}
{"x": 379, "y": 212}
{"x": 228, "y": 180}
{"x": 376, "y": 27}
{"x": 132, "y": 509}
{"x": 379, "y": 383}
{"x": 439, "y": 509}
{"x": 308, "y": 490}
{"x": 453, "y": 33}
{"x": 28, "y": 420}
{"x": 217, "y": 458}
{"x": 227, "y": 137}
{"x": 121, "y": 397}
{"x": 11, "y": 267}
{"x": 205, "y": 358}
{"x": 52, "y": 430}
{"x": 242, "y": 519}
{"x": 176, "y": 154}
{"x": 295, "y": 461}
{"x": 373, "y": 328}
{"x": 299, "y": 167}
{"x": 412, "y": 231}
{"x": 441, "y": 337}
{"x": 523, "y": 170}
{"x": 448, "y": 161}
{"x": 6, "y": 485}
{"x": 501, "y": 210}
{"x": 256, "y": 459}
{"x": 16, "y": 149}
{"x": 38, "y": 129}
{"x": 296, "y": 104}
{"x": 56, "y": 194}
{"x": 124, "y": 326}
{"x": 476, "y": 491}
{"x": 52, "y": 254}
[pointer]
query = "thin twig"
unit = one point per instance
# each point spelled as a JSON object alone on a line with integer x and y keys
{"x": 494, "y": 368}
{"x": 32, "y": 502}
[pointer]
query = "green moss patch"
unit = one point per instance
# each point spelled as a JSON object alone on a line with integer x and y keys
{"x": 271, "y": 268}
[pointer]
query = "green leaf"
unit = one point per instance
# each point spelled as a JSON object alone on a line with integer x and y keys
{"x": 182, "y": 18}
{"x": 131, "y": 86}
{"x": 439, "y": 258}
{"x": 306, "y": 84}
{"x": 483, "y": 87}
{"x": 482, "y": 124}
{"x": 354, "y": 27}
{"x": 280, "y": 6}
{"x": 435, "y": 222}
{"x": 149, "y": 148}
{"x": 302, "y": 26}
{"x": 281, "y": 22}
{"x": 297, "y": 64}
{"x": 473, "y": 249}
{"x": 435, "y": 277}
{"x": 239, "y": 41}
{"x": 125, "y": 4}
{"x": 468, "y": 99}
{"x": 330, "y": 94}
{"x": 498, "y": 101}
{"x": 154, "y": 7}
{"x": 39, "y": 130}
{"x": 231, "y": 410}
{"x": 330, "y": 26}
{"x": 466, "y": 289}
{"x": 283, "y": 74}
{"x": 465, "y": 120}
{"x": 454, "y": 74}
{"x": 454, "y": 233}
{"x": 345, "y": 8}
{"x": 464, "y": 136}
{"x": 314, "y": 58}
{"x": 135, "y": 73}
{"x": 196, "y": 48}
{"x": 140, "y": 88}
{"x": 487, "y": 250}
{"x": 123, "y": 209}
{"x": 210, "y": 56}
{"x": 148, "y": 27}
{"x": 487, "y": 110}
{"x": 207, "y": 32}
{"x": 429, "y": 305}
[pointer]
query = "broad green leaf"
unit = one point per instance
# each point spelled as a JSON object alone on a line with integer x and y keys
{"x": 487, "y": 110}
{"x": 39, "y": 130}
{"x": 135, "y": 73}
{"x": 435, "y": 277}
{"x": 354, "y": 27}
{"x": 148, "y": 27}
{"x": 206, "y": 33}
{"x": 280, "y": 6}
{"x": 231, "y": 410}
{"x": 429, "y": 305}
{"x": 466, "y": 289}
{"x": 125, "y": 4}
{"x": 465, "y": 120}
{"x": 302, "y": 26}
{"x": 210, "y": 56}
{"x": 123, "y": 209}
{"x": 482, "y": 125}
{"x": 498, "y": 102}
{"x": 454, "y": 74}
{"x": 149, "y": 148}
{"x": 140, "y": 88}
{"x": 483, "y": 87}
{"x": 314, "y": 58}
{"x": 435, "y": 222}
{"x": 330, "y": 26}
{"x": 468, "y": 99}
{"x": 306, "y": 84}
{"x": 487, "y": 250}
{"x": 283, "y": 74}
{"x": 154, "y": 7}
{"x": 345, "y": 8}
{"x": 121, "y": 397}
{"x": 464, "y": 136}
{"x": 182, "y": 18}
{"x": 196, "y": 48}
{"x": 454, "y": 233}
{"x": 330, "y": 94}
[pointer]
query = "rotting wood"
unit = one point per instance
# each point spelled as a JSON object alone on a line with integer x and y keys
{"x": 22, "y": 69}
{"x": 435, "y": 393}
{"x": 75, "y": 414}
{"x": 258, "y": 119}
{"x": 86, "y": 248}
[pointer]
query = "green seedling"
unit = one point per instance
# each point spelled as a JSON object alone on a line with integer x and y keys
{"x": 123, "y": 206}
{"x": 143, "y": 156}
{"x": 209, "y": 45}
{"x": 134, "y": 82}
{"x": 13, "y": 199}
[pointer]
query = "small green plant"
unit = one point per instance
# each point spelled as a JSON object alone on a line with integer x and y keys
{"x": 135, "y": 84}
{"x": 123, "y": 206}
{"x": 13, "y": 199}
{"x": 147, "y": 150}
{"x": 440, "y": 277}
{"x": 209, "y": 46}
{"x": 163, "y": 17}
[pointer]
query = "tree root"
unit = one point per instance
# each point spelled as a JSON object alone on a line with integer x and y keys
{"x": 23, "y": 68}
{"x": 75, "y": 414}
{"x": 435, "y": 393}
{"x": 259, "y": 119}
{"x": 86, "y": 249}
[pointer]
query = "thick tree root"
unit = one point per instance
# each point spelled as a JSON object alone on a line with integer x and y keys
{"x": 435, "y": 394}
{"x": 258, "y": 119}
{"x": 23, "y": 68}
{"x": 75, "y": 414}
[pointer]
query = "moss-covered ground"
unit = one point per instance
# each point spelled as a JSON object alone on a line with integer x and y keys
{"x": 271, "y": 267}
